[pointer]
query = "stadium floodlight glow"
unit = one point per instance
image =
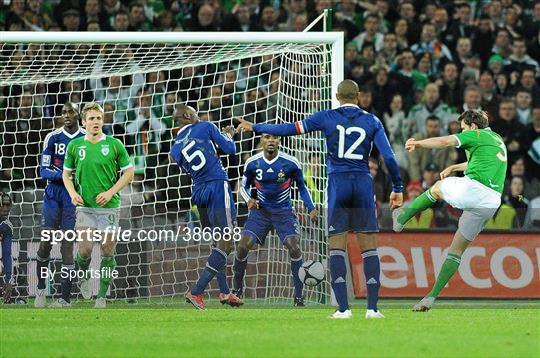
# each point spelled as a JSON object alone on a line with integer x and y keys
{"x": 267, "y": 77}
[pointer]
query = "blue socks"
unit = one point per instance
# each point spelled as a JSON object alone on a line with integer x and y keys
{"x": 372, "y": 271}
{"x": 216, "y": 262}
{"x": 338, "y": 273}
{"x": 239, "y": 270}
{"x": 298, "y": 285}
{"x": 65, "y": 283}
{"x": 221, "y": 278}
{"x": 41, "y": 264}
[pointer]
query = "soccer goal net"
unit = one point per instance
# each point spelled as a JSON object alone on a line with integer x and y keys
{"x": 138, "y": 78}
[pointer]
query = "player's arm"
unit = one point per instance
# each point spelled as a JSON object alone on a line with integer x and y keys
{"x": 383, "y": 145}
{"x": 245, "y": 188}
{"x": 431, "y": 143}
{"x": 223, "y": 140}
{"x": 304, "y": 193}
{"x": 310, "y": 124}
{"x": 461, "y": 167}
{"x": 47, "y": 170}
{"x": 127, "y": 175}
{"x": 69, "y": 165}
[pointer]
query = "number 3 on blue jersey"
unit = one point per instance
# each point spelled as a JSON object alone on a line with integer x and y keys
{"x": 349, "y": 154}
{"x": 196, "y": 154}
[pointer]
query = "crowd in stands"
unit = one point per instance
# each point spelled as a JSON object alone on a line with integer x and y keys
{"x": 418, "y": 64}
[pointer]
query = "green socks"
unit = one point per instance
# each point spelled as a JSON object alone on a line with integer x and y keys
{"x": 83, "y": 263}
{"x": 448, "y": 269}
{"x": 421, "y": 203}
{"x": 107, "y": 266}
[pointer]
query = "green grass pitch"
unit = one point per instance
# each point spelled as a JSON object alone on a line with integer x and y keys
{"x": 452, "y": 329}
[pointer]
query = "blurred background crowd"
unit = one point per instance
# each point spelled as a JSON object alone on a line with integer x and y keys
{"x": 418, "y": 64}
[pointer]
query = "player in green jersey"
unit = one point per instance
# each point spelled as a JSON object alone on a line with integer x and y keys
{"x": 478, "y": 193}
{"x": 97, "y": 160}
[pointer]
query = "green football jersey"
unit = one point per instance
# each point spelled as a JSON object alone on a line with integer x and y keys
{"x": 486, "y": 156}
{"x": 96, "y": 167}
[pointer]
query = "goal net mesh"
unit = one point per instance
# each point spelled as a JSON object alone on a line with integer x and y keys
{"x": 138, "y": 86}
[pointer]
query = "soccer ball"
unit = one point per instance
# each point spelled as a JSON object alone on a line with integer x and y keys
{"x": 311, "y": 273}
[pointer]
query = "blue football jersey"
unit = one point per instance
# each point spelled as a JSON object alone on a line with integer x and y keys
{"x": 54, "y": 150}
{"x": 194, "y": 150}
{"x": 350, "y": 133}
{"x": 273, "y": 180}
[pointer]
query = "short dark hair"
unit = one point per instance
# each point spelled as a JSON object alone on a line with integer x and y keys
{"x": 478, "y": 117}
{"x": 433, "y": 117}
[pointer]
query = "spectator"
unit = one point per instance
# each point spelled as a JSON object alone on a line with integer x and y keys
{"x": 110, "y": 9}
{"x": 449, "y": 89}
{"x": 370, "y": 34}
{"x": 269, "y": 19}
{"x": 528, "y": 82}
{"x": 483, "y": 39}
{"x": 382, "y": 184}
{"x": 519, "y": 60}
{"x": 121, "y": 21}
{"x": 532, "y": 142}
{"x": 510, "y": 129}
{"x": 472, "y": 98}
{"x": 394, "y": 121}
{"x": 389, "y": 50}
{"x": 502, "y": 44}
{"x": 240, "y": 20}
{"x": 71, "y": 20}
{"x": 524, "y": 105}
{"x": 430, "y": 175}
{"x": 400, "y": 29}
{"x": 429, "y": 43}
{"x": 496, "y": 64}
{"x": 137, "y": 18}
{"x": 408, "y": 13}
{"x": 441, "y": 22}
{"x": 365, "y": 98}
{"x": 490, "y": 100}
{"x": 36, "y": 17}
{"x": 502, "y": 85}
{"x": 463, "y": 51}
{"x": 421, "y": 158}
{"x": 516, "y": 200}
{"x": 431, "y": 106}
{"x": 461, "y": 26}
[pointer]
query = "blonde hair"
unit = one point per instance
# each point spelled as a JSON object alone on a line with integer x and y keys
{"x": 91, "y": 106}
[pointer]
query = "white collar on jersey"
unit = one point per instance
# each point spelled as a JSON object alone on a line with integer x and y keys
{"x": 103, "y": 136}
{"x": 349, "y": 105}
{"x": 71, "y": 135}
{"x": 270, "y": 162}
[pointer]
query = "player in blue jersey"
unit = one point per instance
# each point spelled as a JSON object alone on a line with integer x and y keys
{"x": 194, "y": 150}
{"x": 6, "y": 239}
{"x": 272, "y": 173}
{"x": 58, "y": 210}
{"x": 350, "y": 133}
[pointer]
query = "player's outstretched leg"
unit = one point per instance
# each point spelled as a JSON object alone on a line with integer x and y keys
{"x": 425, "y": 200}
{"x": 448, "y": 269}
{"x": 292, "y": 245}
{"x": 42, "y": 267}
{"x": 216, "y": 262}
{"x": 226, "y": 297}
{"x": 240, "y": 264}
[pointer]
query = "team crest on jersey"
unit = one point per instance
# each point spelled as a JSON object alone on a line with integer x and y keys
{"x": 281, "y": 176}
{"x": 105, "y": 149}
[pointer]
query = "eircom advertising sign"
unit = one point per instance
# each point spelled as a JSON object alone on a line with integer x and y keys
{"x": 496, "y": 265}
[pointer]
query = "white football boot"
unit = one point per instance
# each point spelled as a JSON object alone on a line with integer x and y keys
{"x": 100, "y": 303}
{"x": 60, "y": 303}
{"x": 424, "y": 305}
{"x": 395, "y": 224}
{"x": 341, "y": 315}
{"x": 41, "y": 299}
{"x": 86, "y": 288}
{"x": 374, "y": 314}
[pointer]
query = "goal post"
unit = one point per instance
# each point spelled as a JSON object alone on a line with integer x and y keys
{"x": 138, "y": 77}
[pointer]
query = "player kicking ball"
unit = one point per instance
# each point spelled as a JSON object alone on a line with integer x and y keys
{"x": 97, "y": 160}
{"x": 194, "y": 150}
{"x": 58, "y": 210}
{"x": 350, "y": 133}
{"x": 272, "y": 172}
{"x": 478, "y": 193}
